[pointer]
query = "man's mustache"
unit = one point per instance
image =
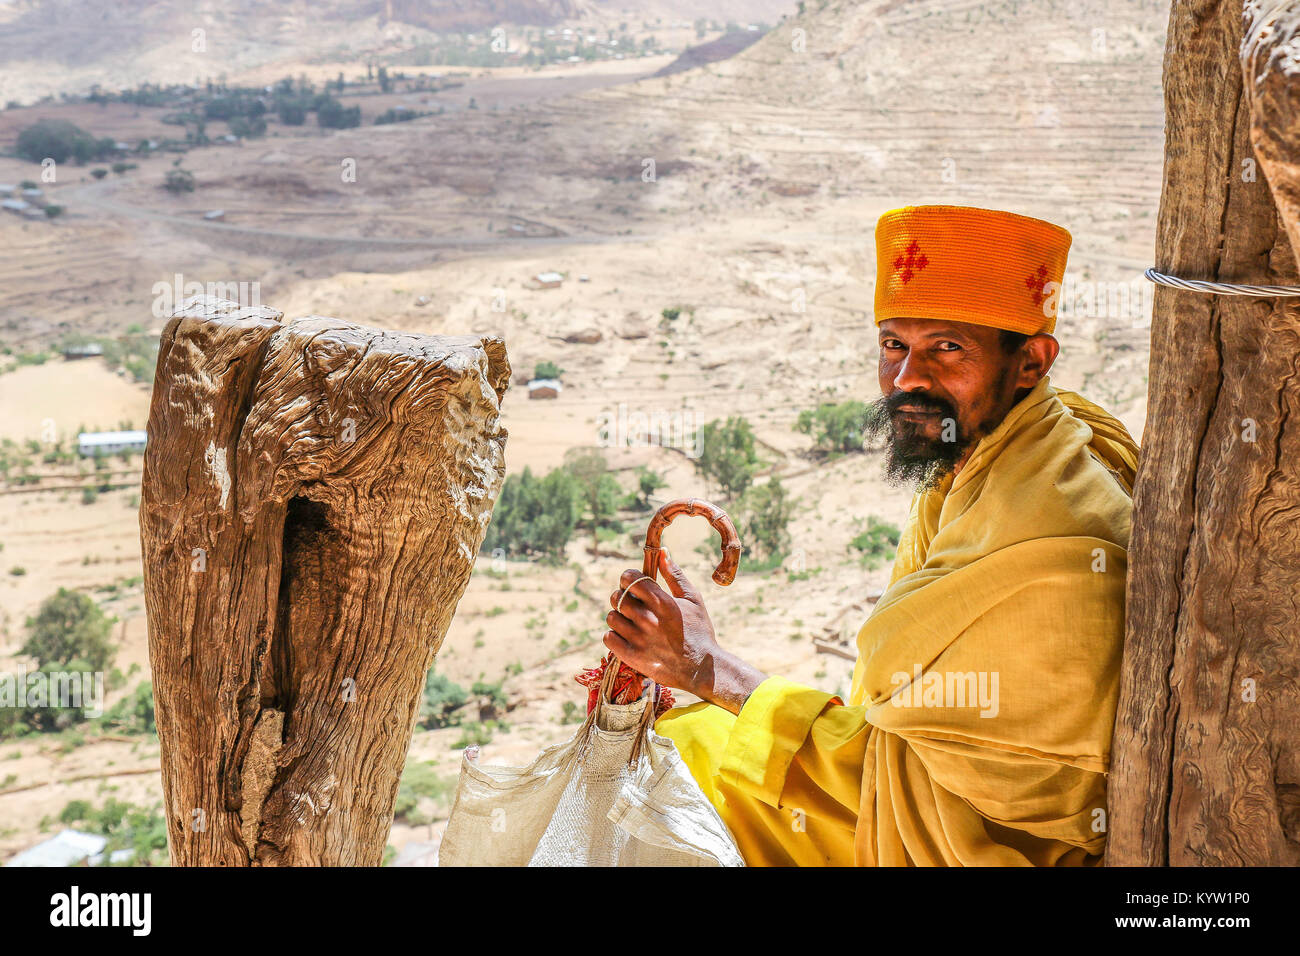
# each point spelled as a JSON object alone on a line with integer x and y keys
{"x": 917, "y": 401}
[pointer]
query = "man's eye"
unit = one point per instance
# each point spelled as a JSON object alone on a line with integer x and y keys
{"x": 944, "y": 347}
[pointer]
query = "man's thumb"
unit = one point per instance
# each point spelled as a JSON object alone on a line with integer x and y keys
{"x": 678, "y": 583}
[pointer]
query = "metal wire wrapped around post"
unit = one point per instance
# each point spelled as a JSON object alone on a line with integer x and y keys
{"x": 1220, "y": 288}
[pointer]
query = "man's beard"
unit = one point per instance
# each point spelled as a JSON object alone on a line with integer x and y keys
{"x": 912, "y": 457}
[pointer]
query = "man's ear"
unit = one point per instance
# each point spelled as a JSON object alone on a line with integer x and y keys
{"x": 1036, "y": 358}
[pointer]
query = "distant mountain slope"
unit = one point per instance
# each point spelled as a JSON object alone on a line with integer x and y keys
{"x": 725, "y": 46}
{"x": 935, "y": 97}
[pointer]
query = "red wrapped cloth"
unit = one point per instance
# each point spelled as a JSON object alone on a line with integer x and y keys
{"x": 628, "y": 687}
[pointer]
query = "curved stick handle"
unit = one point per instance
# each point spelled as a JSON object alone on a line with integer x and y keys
{"x": 725, "y": 572}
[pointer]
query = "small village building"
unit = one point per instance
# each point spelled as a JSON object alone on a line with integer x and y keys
{"x": 15, "y": 205}
{"x": 87, "y": 350}
{"x": 68, "y": 848}
{"x": 548, "y": 280}
{"x": 7, "y": 189}
{"x": 32, "y": 193}
{"x": 214, "y": 214}
{"x": 92, "y": 444}
{"x": 544, "y": 388}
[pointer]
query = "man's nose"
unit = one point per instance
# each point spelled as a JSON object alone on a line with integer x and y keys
{"x": 913, "y": 374}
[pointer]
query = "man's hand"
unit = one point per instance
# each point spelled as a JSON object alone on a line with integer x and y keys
{"x": 669, "y": 638}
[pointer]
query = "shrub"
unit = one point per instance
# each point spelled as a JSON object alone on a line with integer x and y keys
{"x": 60, "y": 141}
{"x": 292, "y": 114}
{"x": 877, "y": 543}
{"x": 69, "y": 627}
{"x": 421, "y": 780}
{"x": 727, "y": 455}
{"x": 492, "y": 692}
{"x": 48, "y": 716}
{"x": 647, "y": 482}
{"x": 134, "y": 714}
{"x": 534, "y": 515}
{"x": 233, "y": 106}
{"x": 598, "y": 489}
{"x": 179, "y": 181}
{"x": 334, "y": 115}
{"x": 767, "y": 510}
{"x": 476, "y": 734}
{"x": 836, "y": 428}
{"x": 248, "y": 128}
{"x": 547, "y": 370}
{"x": 75, "y": 811}
{"x": 393, "y": 115}
{"x": 442, "y": 697}
{"x": 127, "y": 826}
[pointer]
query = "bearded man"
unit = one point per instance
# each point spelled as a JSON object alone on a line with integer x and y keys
{"x": 979, "y": 722}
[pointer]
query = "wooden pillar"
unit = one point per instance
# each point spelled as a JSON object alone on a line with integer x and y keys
{"x": 314, "y": 497}
{"x": 1206, "y": 755}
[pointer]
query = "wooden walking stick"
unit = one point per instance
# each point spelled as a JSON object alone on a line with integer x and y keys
{"x": 622, "y": 684}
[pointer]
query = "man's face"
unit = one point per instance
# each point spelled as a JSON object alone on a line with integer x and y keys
{"x": 944, "y": 385}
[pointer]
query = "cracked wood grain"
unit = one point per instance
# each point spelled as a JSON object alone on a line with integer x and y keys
{"x": 314, "y": 496}
{"x": 1204, "y": 767}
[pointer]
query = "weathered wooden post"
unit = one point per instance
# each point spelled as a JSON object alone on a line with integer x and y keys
{"x": 314, "y": 497}
{"x": 1206, "y": 755}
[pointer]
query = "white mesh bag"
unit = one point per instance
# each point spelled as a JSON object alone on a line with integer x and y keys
{"x": 617, "y": 794}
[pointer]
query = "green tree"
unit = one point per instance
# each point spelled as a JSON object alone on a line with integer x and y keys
{"x": 767, "y": 510}
{"x": 836, "y": 428}
{"x": 248, "y": 127}
{"x": 419, "y": 781}
{"x": 598, "y": 488}
{"x": 332, "y": 114}
{"x": 728, "y": 457}
{"x": 534, "y": 515}
{"x": 69, "y": 627}
{"x": 648, "y": 482}
{"x": 442, "y": 697}
{"x": 291, "y": 113}
{"x": 134, "y": 714}
{"x": 547, "y": 370}
{"x": 58, "y": 140}
{"x": 179, "y": 181}
{"x": 50, "y": 715}
{"x": 877, "y": 543}
{"x": 143, "y": 830}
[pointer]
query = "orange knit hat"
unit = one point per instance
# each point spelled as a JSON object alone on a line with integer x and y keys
{"x": 972, "y": 265}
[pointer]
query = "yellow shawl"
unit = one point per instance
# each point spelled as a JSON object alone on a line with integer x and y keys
{"x": 1010, "y": 580}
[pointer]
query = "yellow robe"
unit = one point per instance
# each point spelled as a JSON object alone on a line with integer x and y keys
{"x": 1012, "y": 574}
